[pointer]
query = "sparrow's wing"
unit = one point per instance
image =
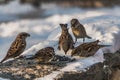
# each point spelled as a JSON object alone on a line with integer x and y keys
{"x": 82, "y": 29}
{"x": 17, "y": 46}
{"x": 104, "y": 45}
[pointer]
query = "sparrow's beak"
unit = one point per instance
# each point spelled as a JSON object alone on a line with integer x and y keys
{"x": 73, "y": 21}
{"x": 28, "y": 35}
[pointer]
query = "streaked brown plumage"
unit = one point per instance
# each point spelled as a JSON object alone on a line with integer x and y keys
{"x": 17, "y": 47}
{"x": 78, "y": 30}
{"x": 65, "y": 41}
{"x": 44, "y": 54}
{"x": 87, "y": 49}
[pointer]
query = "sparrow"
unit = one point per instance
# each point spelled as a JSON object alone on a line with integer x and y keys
{"x": 65, "y": 40}
{"x": 87, "y": 49}
{"x": 17, "y": 47}
{"x": 44, "y": 54}
{"x": 78, "y": 30}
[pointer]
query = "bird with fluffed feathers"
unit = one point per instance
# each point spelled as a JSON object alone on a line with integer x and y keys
{"x": 78, "y": 30}
{"x": 65, "y": 40}
{"x": 17, "y": 47}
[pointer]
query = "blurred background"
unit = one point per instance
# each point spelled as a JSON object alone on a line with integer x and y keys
{"x": 41, "y": 18}
{"x": 17, "y": 9}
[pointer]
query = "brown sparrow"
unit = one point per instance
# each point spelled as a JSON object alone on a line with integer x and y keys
{"x": 78, "y": 30}
{"x": 87, "y": 49}
{"x": 65, "y": 41}
{"x": 17, "y": 47}
{"x": 44, "y": 54}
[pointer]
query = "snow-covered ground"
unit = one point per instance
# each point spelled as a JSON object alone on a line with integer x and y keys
{"x": 81, "y": 64}
{"x": 8, "y": 11}
{"x": 4, "y": 79}
{"x": 100, "y": 24}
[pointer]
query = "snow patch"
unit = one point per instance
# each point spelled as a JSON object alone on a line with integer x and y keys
{"x": 14, "y": 7}
{"x": 50, "y": 76}
{"x": 115, "y": 45}
{"x": 83, "y": 63}
{"x": 4, "y": 79}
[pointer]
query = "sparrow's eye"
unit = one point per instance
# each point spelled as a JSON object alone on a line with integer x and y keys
{"x": 65, "y": 30}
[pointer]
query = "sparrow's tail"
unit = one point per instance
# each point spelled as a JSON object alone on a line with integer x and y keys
{"x": 105, "y": 45}
{"x": 88, "y": 37}
{"x": 3, "y": 60}
{"x": 32, "y": 57}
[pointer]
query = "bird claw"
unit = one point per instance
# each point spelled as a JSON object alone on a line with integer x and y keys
{"x": 58, "y": 48}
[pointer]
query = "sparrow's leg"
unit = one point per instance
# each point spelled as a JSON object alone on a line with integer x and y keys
{"x": 75, "y": 40}
{"x": 59, "y": 47}
{"x": 65, "y": 52}
{"x": 83, "y": 40}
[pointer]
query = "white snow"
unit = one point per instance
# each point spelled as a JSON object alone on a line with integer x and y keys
{"x": 4, "y": 79}
{"x": 15, "y": 8}
{"x": 82, "y": 64}
{"x": 50, "y": 76}
{"x": 115, "y": 46}
{"x": 79, "y": 65}
{"x": 102, "y": 24}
